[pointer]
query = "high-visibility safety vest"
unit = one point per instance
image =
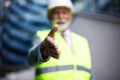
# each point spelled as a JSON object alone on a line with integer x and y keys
{"x": 73, "y": 64}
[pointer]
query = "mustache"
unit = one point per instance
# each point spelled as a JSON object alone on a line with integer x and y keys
{"x": 60, "y": 21}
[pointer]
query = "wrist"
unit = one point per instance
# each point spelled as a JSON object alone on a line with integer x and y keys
{"x": 44, "y": 55}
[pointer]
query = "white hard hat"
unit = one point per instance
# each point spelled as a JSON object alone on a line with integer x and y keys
{"x": 59, "y": 3}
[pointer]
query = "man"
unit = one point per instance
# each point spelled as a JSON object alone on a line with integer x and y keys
{"x": 61, "y": 54}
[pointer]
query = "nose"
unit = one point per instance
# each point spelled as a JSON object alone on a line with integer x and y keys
{"x": 61, "y": 16}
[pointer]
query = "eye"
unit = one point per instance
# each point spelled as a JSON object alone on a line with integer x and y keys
{"x": 56, "y": 12}
{"x": 65, "y": 12}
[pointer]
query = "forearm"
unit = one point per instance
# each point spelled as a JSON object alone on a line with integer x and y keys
{"x": 35, "y": 55}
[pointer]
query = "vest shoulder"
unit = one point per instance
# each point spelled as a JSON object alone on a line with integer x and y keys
{"x": 42, "y": 32}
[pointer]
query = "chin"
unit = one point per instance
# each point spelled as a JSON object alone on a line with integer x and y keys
{"x": 60, "y": 29}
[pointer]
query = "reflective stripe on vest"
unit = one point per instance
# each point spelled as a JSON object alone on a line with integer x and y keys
{"x": 60, "y": 68}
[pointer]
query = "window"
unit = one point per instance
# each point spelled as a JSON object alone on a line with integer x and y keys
{"x": 105, "y": 7}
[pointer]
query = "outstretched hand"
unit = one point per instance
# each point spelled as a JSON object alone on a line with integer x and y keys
{"x": 49, "y": 47}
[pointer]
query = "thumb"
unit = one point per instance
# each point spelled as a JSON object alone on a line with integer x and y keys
{"x": 52, "y": 32}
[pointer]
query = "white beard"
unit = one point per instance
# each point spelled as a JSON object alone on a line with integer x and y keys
{"x": 63, "y": 26}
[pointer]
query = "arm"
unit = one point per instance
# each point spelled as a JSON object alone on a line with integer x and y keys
{"x": 41, "y": 51}
{"x": 34, "y": 55}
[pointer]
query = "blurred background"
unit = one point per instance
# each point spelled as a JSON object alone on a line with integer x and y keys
{"x": 97, "y": 20}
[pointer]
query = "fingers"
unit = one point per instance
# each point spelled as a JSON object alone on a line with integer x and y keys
{"x": 55, "y": 54}
{"x": 52, "y": 32}
{"x": 49, "y": 50}
{"x": 52, "y": 47}
{"x": 50, "y": 42}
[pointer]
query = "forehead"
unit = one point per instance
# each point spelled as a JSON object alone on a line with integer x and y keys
{"x": 61, "y": 9}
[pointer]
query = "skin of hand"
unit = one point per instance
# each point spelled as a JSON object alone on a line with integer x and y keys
{"x": 48, "y": 47}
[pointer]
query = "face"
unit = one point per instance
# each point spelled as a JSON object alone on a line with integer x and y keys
{"x": 62, "y": 17}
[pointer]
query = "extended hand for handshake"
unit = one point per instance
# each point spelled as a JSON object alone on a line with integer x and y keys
{"x": 49, "y": 47}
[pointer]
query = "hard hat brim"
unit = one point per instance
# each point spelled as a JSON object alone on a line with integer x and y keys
{"x": 50, "y": 11}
